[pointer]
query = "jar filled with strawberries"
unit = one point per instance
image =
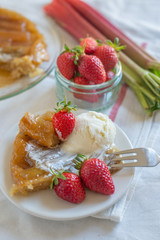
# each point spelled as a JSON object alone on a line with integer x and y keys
{"x": 89, "y": 74}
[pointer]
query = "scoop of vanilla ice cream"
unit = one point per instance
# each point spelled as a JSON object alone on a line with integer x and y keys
{"x": 92, "y": 131}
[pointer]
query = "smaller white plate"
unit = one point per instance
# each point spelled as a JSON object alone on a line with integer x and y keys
{"x": 45, "y": 204}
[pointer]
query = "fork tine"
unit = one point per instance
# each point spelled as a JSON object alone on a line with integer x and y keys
{"x": 128, "y": 158}
{"x": 138, "y": 157}
{"x": 122, "y": 165}
{"x": 125, "y": 151}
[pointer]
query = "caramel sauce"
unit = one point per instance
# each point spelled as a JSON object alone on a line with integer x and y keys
{"x": 5, "y": 78}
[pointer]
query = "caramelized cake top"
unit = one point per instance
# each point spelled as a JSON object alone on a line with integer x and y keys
{"x": 22, "y": 47}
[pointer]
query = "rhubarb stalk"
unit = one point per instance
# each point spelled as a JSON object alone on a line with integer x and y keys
{"x": 149, "y": 78}
{"x": 71, "y": 21}
{"x": 146, "y": 97}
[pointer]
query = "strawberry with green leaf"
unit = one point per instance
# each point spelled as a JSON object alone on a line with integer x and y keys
{"x": 89, "y": 66}
{"x": 107, "y": 53}
{"x": 63, "y": 119}
{"x": 90, "y": 45}
{"x": 68, "y": 186}
{"x": 95, "y": 174}
{"x": 65, "y": 63}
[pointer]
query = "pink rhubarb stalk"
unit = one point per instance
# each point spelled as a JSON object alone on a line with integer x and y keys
{"x": 71, "y": 20}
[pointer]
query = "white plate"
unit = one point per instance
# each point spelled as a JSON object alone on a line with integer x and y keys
{"x": 54, "y": 47}
{"x": 45, "y": 204}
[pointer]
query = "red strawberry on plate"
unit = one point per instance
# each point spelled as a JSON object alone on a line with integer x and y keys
{"x": 86, "y": 94}
{"x": 65, "y": 63}
{"x": 96, "y": 176}
{"x": 90, "y": 45}
{"x": 91, "y": 68}
{"x": 64, "y": 120}
{"x": 68, "y": 186}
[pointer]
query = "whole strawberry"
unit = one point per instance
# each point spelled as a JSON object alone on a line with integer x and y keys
{"x": 65, "y": 63}
{"x": 82, "y": 81}
{"x": 68, "y": 186}
{"x": 64, "y": 120}
{"x": 90, "y": 45}
{"x": 107, "y": 55}
{"x": 90, "y": 94}
{"x": 91, "y": 68}
{"x": 96, "y": 176}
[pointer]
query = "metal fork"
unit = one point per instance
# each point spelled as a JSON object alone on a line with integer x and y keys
{"x": 136, "y": 157}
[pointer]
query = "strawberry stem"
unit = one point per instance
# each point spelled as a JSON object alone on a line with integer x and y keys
{"x": 66, "y": 49}
{"x": 64, "y": 105}
{"x": 115, "y": 44}
{"x": 78, "y": 51}
{"x": 79, "y": 159}
{"x": 56, "y": 177}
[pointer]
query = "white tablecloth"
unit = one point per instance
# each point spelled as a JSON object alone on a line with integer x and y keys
{"x": 139, "y": 19}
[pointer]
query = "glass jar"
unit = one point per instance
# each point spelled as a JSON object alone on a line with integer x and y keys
{"x": 91, "y": 97}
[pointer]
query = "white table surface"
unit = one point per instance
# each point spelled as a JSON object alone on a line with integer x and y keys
{"x": 140, "y": 20}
